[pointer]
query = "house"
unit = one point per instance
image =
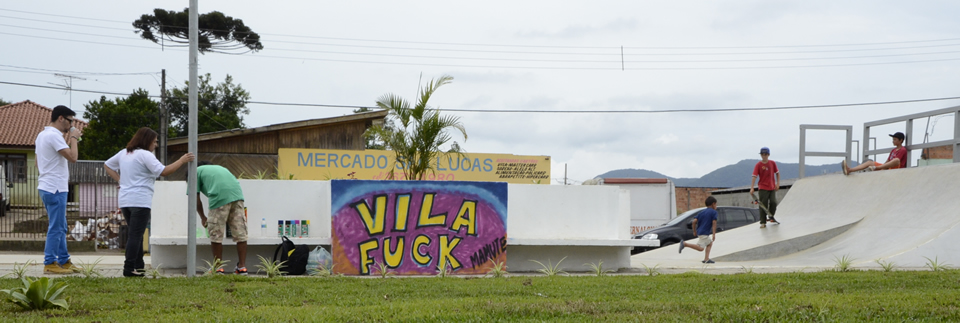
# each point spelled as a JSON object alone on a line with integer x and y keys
{"x": 19, "y": 125}
{"x": 253, "y": 152}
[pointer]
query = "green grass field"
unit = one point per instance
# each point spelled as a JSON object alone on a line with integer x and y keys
{"x": 823, "y": 296}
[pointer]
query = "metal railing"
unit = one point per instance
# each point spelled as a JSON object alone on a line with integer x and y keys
{"x": 803, "y": 144}
{"x": 91, "y": 208}
{"x": 955, "y": 142}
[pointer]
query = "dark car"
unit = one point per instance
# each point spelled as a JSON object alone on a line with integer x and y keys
{"x": 728, "y": 217}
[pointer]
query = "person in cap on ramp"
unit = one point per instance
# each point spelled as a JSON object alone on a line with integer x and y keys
{"x": 766, "y": 170}
{"x": 897, "y": 158}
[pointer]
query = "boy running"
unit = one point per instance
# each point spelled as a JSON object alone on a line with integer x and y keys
{"x": 705, "y": 226}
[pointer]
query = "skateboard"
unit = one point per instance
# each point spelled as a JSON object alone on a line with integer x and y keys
{"x": 764, "y": 207}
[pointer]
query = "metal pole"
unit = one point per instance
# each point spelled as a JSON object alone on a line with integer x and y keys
{"x": 803, "y": 151}
{"x": 192, "y": 146}
{"x": 163, "y": 117}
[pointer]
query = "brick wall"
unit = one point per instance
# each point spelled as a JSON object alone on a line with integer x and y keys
{"x": 942, "y": 152}
{"x": 689, "y": 198}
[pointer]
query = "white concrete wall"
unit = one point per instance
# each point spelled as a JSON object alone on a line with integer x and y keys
{"x": 650, "y": 204}
{"x": 566, "y": 212}
{"x": 274, "y": 200}
{"x": 543, "y": 222}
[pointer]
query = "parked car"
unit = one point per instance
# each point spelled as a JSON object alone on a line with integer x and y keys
{"x": 729, "y": 217}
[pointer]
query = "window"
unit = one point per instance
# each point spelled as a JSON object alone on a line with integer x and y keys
{"x": 14, "y": 167}
{"x": 736, "y": 216}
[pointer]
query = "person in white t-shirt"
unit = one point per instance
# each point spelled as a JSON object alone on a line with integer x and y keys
{"x": 55, "y": 146}
{"x": 136, "y": 168}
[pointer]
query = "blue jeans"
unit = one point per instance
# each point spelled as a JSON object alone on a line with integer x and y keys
{"x": 55, "y": 250}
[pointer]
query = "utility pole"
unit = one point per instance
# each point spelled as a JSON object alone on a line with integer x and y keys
{"x": 162, "y": 154}
{"x": 192, "y": 144}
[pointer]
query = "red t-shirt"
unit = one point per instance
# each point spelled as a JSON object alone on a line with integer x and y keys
{"x": 898, "y": 153}
{"x": 765, "y": 172}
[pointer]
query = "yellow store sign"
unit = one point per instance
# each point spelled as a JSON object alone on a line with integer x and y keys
{"x": 327, "y": 164}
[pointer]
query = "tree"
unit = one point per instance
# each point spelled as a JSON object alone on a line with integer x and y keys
{"x": 111, "y": 124}
{"x": 218, "y": 32}
{"x": 3, "y": 103}
{"x": 417, "y": 132}
{"x": 219, "y": 107}
{"x": 372, "y": 142}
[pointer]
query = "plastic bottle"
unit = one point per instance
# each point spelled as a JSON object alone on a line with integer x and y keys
{"x": 263, "y": 227}
{"x": 279, "y": 228}
{"x": 304, "y": 228}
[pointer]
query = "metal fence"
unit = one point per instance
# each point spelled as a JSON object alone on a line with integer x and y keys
{"x": 91, "y": 207}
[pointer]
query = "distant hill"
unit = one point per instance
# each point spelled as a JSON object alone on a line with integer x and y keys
{"x": 727, "y": 176}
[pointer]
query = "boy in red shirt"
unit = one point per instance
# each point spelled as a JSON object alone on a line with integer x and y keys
{"x": 897, "y": 158}
{"x": 766, "y": 170}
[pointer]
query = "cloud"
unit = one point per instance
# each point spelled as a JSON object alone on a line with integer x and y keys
{"x": 583, "y": 31}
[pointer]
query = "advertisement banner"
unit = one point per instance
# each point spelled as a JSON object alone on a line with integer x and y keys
{"x": 417, "y": 227}
{"x": 329, "y": 164}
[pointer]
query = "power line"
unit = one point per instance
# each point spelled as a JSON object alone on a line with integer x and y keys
{"x": 76, "y": 72}
{"x": 798, "y": 107}
{"x": 612, "y": 53}
{"x": 520, "y": 46}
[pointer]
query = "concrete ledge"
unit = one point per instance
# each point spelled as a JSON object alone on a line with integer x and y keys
{"x": 583, "y": 242}
{"x": 182, "y": 241}
{"x": 37, "y": 245}
{"x": 785, "y": 247}
{"x": 574, "y": 258}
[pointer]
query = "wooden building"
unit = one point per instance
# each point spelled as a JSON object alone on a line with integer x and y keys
{"x": 253, "y": 151}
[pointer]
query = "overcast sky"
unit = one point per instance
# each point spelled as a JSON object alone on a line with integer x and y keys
{"x": 540, "y": 55}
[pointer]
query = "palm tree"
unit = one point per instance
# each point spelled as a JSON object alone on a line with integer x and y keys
{"x": 421, "y": 131}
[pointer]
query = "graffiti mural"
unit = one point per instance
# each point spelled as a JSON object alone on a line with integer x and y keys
{"x": 416, "y": 227}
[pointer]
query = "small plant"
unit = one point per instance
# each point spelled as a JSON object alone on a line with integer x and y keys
{"x": 551, "y": 269}
{"x": 443, "y": 270}
{"x": 935, "y": 265}
{"x": 20, "y": 270}
{"x": 652, "y": 271}
{"x": 272, "y": 268}
{"x": 843, "y": 264}
{"x": 887, "y": 266}
{"x": 747, "y": 270}
{"x": 597, "y": 268}
{"x": 325, "y": 270}
{"x": 155, "y": 272}
{"x": 383, "y": 270}
{"x": 499, "y": 269}
{"x": 213, "y": 267}
{"x": 89, "y": 270}
{"x": 39, "y": 294}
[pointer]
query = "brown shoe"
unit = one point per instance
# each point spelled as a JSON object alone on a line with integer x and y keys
{"x": 843, "y": 164}
{"x": 763, "y": 226}
{"x": 71, "y": 267}
{"x": 56, "y": 269}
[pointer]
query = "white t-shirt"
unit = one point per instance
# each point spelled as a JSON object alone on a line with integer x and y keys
{"x": 138, "y": 171}
{"x": 54, "y": 173}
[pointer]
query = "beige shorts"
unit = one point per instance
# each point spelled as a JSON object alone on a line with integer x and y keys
{"x": 704, "y": 241}
{"x": 229, "y": 214}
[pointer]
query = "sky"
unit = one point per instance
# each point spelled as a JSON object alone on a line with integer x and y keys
{"x": 625, "y": 67}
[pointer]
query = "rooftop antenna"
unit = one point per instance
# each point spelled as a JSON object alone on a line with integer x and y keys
{"x": 67, "y": 84}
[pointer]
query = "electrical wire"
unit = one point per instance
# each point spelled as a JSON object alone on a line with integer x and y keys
{"x": 796, "y": 107}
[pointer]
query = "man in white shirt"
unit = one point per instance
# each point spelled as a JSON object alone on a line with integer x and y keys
{"x": 55, "y": 146}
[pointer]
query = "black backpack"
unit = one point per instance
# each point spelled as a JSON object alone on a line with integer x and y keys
{"x": 295, "y": 256}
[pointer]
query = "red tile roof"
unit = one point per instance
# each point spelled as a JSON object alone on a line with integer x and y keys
{"x": 21, "y": 122}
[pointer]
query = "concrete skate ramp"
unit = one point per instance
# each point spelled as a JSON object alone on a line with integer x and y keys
{"x": 900, "y": 216}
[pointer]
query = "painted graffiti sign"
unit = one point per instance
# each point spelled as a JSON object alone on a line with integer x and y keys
{"x": 416, "y": 227}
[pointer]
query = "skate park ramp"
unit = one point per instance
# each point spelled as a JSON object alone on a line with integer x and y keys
{"x": 905, "y": 216}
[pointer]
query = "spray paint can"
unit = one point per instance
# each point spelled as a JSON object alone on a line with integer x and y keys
{"x": 304, "y": 228}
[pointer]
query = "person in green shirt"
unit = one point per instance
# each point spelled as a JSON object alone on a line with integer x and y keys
{"x": 222, "y": 190}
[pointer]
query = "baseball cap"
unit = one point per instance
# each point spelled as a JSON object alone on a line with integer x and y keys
{"x": 898, "y": 135}
{"x": 766, "y": 150}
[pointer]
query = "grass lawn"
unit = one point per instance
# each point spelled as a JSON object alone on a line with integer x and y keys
{"x": 823, "y": 296}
